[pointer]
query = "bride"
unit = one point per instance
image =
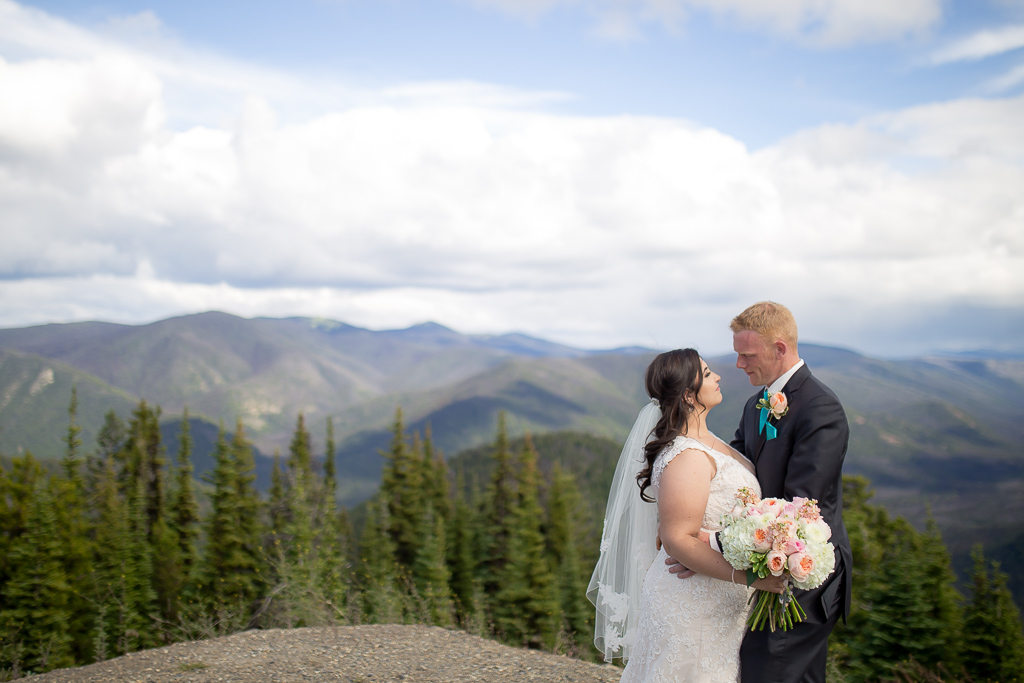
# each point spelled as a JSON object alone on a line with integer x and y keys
{"x": 667, "y": 629}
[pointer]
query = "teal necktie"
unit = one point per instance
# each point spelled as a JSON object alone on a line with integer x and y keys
{"x": 765, "y": 426}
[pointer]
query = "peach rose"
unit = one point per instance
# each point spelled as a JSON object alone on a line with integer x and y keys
{"x": 779, "y": 404}
{"x": 762, "y": 539}
{"x": 776, "y": 562}
{"x": 800, "y": 566}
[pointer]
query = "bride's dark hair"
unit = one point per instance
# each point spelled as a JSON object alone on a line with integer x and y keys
{"x": 670, "y": 377}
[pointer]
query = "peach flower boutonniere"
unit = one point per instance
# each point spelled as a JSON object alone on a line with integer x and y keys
{"x": 777, "y": 404}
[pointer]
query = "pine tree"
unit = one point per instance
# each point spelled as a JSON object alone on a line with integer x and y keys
{"x": 383, "y": 602}
{"x": 499, "y": 505}
{"x": 72, "y": 528}
{"x": 184, "y": 524}
{"x": 278, "y": 503}
{"x": 109, "y": 442}
{"x": 436, "y": 478}
{"x": 141, "y": 578}
{"x": 430, "y": 571}
{"x": 232, "y": 567}
{"x": 565, "y": 507}
{"x": 73, "y": 441}
{"x": 301, "y": 599}
{"x": 123, "y": 594}
{"x": 112, "y": 562}
{"x": 332, "y": 546}
{"x": 300, "y": 451}
{"x": 905, "y": 603}
{"x": 37, "y": 615}
{"x": 992, "y": 639}
{"x": 330, "y": 476}
{"x": 247, "y": 513}
{"x": 143, "y": 458}
{"x": 461, "y": 558}
{"x": 16, "y": 494}
{"x": 402, "y": 489}
{"x": 526, "y": 606}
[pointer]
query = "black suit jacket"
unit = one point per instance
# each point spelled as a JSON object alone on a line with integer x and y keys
{"x": 805, "y": 459}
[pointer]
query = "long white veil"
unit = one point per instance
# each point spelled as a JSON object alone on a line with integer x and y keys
{"x": 627, "y": 546}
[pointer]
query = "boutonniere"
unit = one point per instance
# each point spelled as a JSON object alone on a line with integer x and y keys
{"x": 772, "y": 405}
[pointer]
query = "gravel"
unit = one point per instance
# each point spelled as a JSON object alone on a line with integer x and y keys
{"x": 356, "y": 654}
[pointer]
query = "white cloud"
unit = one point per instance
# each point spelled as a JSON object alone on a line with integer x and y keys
{"x": 1005, "y": 82}
{"x": 461, "y": 204}
{"x": 827, "y": 23}
{"x": 981, "y": 45}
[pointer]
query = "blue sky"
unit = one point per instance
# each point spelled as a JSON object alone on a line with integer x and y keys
{"x": 597, "y": 173}
{"x": 713, "y": 68}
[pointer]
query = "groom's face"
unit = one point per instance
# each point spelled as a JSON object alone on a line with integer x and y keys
{"x": 755, "y": 358}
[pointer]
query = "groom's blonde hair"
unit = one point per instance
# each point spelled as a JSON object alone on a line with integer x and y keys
{"x": 770, "y": 320}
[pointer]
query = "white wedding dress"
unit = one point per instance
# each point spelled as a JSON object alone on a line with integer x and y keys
{"x": 690, "y": 629}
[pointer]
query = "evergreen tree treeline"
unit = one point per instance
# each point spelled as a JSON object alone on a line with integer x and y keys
{"x": 109, "y": 554}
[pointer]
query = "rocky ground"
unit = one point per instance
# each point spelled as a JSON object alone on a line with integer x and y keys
{"x": 355, "y": 654}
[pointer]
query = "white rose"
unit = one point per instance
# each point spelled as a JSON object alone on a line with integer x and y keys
{"x": 813, "y": 532}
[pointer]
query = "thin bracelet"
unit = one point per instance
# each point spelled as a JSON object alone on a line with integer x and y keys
{"x": 733, "y": 578}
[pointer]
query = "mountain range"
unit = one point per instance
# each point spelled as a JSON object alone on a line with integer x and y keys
{"x": 939, "y": 436}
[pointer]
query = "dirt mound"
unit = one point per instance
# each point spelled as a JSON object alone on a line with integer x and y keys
{"x": 364, "y": 654}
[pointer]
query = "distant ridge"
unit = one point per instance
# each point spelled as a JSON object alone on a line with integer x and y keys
{"x": 266, "y": 371}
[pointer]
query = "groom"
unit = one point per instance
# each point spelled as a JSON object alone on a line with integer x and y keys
{"x": 799, "y": 454}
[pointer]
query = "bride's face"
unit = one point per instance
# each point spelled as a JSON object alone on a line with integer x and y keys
{"x": 710, "y": 393}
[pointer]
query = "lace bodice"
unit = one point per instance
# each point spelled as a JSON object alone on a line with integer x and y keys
{"x": 729, "y": 477}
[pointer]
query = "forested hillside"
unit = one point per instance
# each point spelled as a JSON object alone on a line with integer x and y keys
{"x": 118, "y": 549}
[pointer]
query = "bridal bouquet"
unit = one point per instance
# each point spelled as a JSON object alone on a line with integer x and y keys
{"x": 782, "y": 538}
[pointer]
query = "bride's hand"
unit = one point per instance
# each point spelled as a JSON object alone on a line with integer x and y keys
{"x": 773, "y": 584}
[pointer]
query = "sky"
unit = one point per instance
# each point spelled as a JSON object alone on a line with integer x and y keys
{"x": 597, "y": 173}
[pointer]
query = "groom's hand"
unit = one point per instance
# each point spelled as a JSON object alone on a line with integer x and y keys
{"x": 676, "y": 567}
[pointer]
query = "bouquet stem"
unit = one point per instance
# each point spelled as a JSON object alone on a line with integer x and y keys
{"x": 776, "y": 610}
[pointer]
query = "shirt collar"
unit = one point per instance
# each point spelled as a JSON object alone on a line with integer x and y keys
{"x": 780, "y": 383}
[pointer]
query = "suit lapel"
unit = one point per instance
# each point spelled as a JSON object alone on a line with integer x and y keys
{"x": 762, "y": 436}
{"x": 754, "y": 415}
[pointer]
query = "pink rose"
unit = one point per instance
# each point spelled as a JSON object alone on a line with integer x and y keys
{"x": 770, "y": 505}
{"x": 800, "y": 566}
{"x": 762, "y": 539}
{"x": 776, "y": 562}
{"x": 793, "y": 546}
{"x": 779, "y": 404}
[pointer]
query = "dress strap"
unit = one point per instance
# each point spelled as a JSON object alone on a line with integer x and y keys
{"x": 678, "y": 445}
